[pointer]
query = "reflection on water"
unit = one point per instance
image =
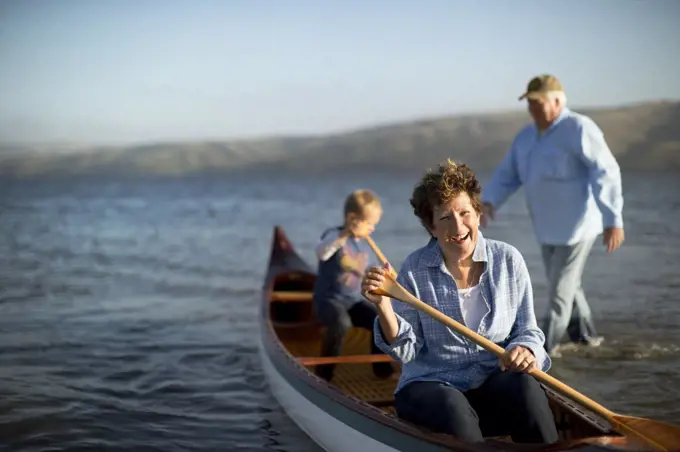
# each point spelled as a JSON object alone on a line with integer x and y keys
{"x": 127, "y": 310}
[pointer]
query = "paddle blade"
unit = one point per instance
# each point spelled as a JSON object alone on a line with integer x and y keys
{"x": 662, "y": 436}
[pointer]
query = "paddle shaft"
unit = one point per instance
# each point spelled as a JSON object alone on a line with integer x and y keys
{"x": 500, "y": 352}
{"x": 401, "y": 294}
{"x": 379, "y": 254}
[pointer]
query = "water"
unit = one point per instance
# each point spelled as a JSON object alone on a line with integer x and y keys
{"x": 127, "y": 308}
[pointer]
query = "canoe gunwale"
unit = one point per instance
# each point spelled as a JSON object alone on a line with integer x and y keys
{"x": 280, "y": 355}
{"x": 283, "y": 360}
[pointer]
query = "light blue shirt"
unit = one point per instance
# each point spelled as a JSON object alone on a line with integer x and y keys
{"x": 429, "y": 350}
{"x": 571, "y": 180}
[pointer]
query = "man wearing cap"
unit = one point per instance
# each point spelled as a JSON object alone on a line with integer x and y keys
{"x": 572, "y": 184}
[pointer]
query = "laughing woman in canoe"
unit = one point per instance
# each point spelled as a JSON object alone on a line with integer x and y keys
{"x": 448, "y": 384}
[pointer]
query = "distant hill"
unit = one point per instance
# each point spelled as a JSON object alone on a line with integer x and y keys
{"x": 643, "y": 136}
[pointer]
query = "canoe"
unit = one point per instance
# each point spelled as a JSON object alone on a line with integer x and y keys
{"x": 355, "y": 411}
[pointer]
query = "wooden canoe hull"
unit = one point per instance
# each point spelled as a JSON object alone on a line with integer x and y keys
{"x": 355, "y": 413}
{"x": 333, "y": 425}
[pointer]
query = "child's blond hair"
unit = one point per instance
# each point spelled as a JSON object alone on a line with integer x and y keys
{"x": 359, "y": 200}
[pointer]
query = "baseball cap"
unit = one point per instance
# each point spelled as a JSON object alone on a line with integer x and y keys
{"x": 540, "y": 85}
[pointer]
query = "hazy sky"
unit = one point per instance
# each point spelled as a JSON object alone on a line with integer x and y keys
{"x": 122, "y": 71}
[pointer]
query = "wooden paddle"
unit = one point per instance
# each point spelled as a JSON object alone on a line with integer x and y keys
{"x": 659, "y": 435}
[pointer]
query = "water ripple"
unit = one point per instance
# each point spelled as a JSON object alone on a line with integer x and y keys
{"x": 128, "y": 311}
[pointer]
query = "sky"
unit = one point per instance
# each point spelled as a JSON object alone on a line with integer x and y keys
{"x": 130, "y": 71}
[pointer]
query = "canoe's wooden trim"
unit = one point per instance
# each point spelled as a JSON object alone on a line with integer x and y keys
{"x": 381, "y": 403}
{"x": 374, "y": 411}
{"x": 293, "y": 325}
{"x": 371, "y": 408}
{"x": 580, "y": 412}
{"x": 291, "y": 296}
{"x": 347, "y": 359}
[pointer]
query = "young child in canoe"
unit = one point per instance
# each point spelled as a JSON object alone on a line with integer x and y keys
{"x": 343, "y": 255}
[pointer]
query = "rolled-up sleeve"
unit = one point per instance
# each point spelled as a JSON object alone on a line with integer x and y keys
{"x": 504, "y": 181}
{"x": 525, "y": 331}
{"x": 604, "y": 174}
{"x": 409, "y": 339}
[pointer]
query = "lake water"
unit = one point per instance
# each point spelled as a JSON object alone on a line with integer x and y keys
{"x": 128, "y": 308}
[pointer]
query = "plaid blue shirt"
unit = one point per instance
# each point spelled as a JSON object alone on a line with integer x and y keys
{"x": 571, "y": 180}
{"x": 429, "y": 350}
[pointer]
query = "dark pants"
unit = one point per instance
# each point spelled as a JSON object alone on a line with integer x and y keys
{"x": 338, "y": 320}
{"x": 507, "y": 403}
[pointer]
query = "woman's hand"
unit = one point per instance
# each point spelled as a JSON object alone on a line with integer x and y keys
{"x": 373, "y": 280}
{"x": 518, "y": 359}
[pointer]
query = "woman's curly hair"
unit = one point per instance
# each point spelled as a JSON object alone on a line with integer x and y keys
{"x": 440, "y": 186}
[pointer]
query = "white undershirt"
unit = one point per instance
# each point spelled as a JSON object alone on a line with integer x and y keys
{"x": 473, "y": 306}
